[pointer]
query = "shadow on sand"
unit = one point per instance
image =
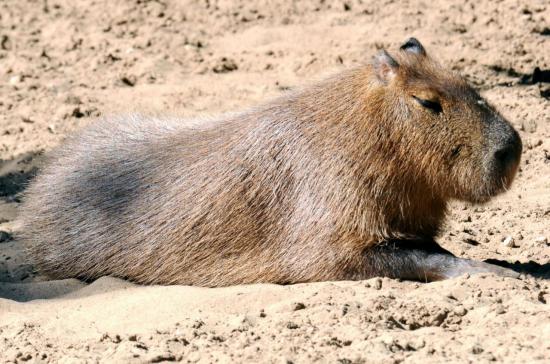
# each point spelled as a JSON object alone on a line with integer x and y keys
{"x": 16, "y": 173}
{"x": 530, "y": 268}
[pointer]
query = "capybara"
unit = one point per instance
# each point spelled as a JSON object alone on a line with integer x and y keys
{"x": 349, "y": 178}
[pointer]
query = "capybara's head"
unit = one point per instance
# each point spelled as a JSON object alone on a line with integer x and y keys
{"x": 457, "y": 142}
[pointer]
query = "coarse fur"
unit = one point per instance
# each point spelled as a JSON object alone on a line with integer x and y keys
{"x": 311, "y": 186}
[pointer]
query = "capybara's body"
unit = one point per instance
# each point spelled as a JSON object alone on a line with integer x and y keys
{"x": 346, "y": 179}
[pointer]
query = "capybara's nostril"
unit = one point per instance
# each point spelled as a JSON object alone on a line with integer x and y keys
{"x": 505, "y": 155}
{"x": 508, "y": 155}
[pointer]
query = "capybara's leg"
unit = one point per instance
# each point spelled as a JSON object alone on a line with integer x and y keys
{"x": 424, "y": 261}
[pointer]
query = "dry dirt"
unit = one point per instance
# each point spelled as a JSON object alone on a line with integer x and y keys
{"x": 63, "y": 63}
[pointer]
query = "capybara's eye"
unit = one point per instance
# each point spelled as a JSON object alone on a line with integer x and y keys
{"x": 434, "y": 106}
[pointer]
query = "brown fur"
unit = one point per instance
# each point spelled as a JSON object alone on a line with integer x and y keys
{"x": 304, "y": 188}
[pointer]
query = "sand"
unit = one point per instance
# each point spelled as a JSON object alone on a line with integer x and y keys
{"x": 63, "y": 63}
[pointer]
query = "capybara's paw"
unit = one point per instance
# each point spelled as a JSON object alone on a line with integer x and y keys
{"x": 501, "y": 271}
{"x": 466, "y": 266}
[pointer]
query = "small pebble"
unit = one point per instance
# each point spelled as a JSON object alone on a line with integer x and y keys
{"x": 542, "y": 240}
{"x": 129, "y": 80}
{"x": 292, "y": 325}
{"x": 509, "y": 242}
{"x": 460, "y": 311}
{"x": 14, "y": 80}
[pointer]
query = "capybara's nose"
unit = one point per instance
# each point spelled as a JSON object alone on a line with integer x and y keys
{"x": 508, "y": 153}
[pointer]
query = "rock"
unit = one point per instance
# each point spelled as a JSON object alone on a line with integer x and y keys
{"x": 471, "y": 241}
{"x": 5, "y": 42}
{"x": 291, "y": 325}
{"x": 156, "y": 357}
{"x": 225, "y": 65}
{"x": 541, "y": 240}
{"x": 509, "y": 242}
{"x": 129, "y": 80}
{"x": 460, "y": 311}
{"x": 14, "y": 80}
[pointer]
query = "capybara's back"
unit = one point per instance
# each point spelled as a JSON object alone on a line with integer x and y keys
{"x": 154, "y": 200}
{"x": 346, "y": 179}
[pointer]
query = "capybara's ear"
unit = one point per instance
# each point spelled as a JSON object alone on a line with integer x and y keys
{"x": 385, "y": 66}
{"x": 412, "y": 45}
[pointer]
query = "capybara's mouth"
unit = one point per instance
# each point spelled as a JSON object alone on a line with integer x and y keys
{"x": 501, "y": 169}
{"x": 499, "y": 183}
{"x": 504, "y": 182}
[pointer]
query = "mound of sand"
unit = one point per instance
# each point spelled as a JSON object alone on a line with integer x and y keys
{"x": 63, "y": 63}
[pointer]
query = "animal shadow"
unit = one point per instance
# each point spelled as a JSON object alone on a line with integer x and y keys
{"x": 16, "y": 173}
{"x": 530, "y": 268}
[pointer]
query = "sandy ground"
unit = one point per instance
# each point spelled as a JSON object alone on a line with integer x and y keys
{"x": 63, "y": 63}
